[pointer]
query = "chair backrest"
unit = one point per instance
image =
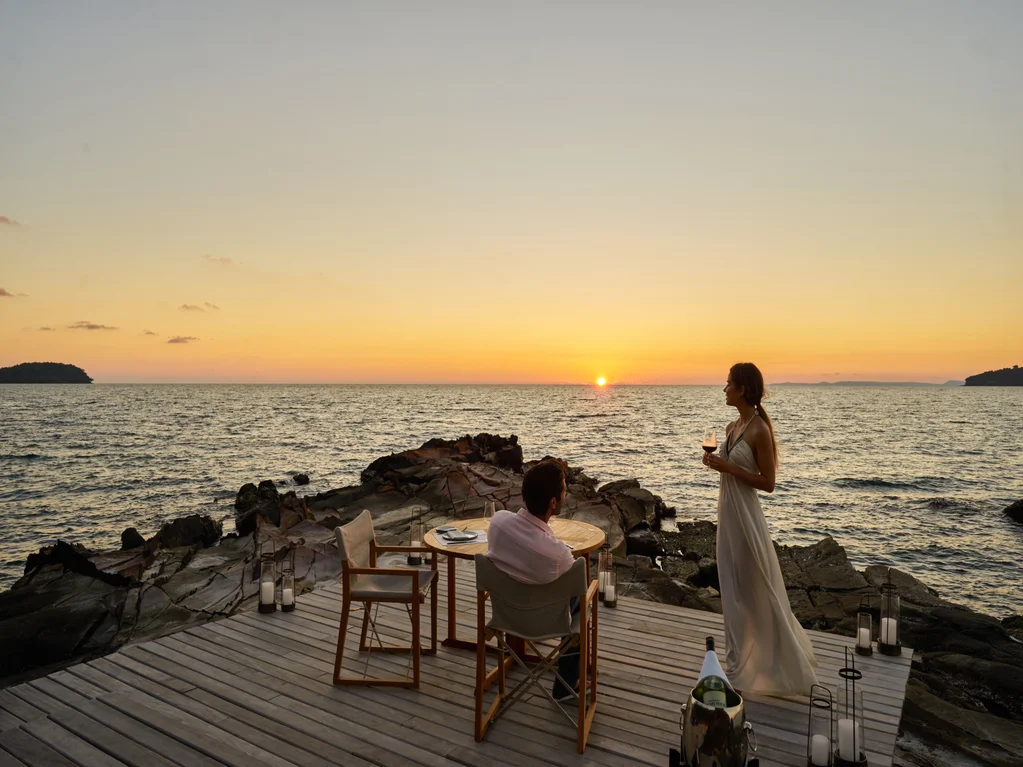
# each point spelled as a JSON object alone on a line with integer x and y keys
{"x": 528, "y": 611}
{"x": 353, "y": 540}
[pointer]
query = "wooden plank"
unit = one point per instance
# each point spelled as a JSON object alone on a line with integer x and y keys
{"x": 6, "y": 760}
{"x": 114, "y": 743}
{"x": 16, "y": 707}
{"x": 31, "y": 750}
{"x": 70, "y": 745}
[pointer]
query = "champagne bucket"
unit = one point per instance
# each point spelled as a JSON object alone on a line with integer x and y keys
{"x": 716, "y": 736}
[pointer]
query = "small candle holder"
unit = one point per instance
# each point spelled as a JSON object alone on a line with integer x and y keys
{"x": 416, "y": 533}
{"x": 605, "y": 562}
{"x": 610, "y": 588}
{"x": 820, "y": 730}
{"x": 888, "y": 640}
{"x": 288, "y": 592}
{"x": 267, "y": 579}
{"x": 864, "y": 629}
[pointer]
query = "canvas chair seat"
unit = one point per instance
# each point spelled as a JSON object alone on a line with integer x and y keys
{"x": 364, "y": 581}
{"x": 535, "y": 613}
{"x": 390, "y": 586}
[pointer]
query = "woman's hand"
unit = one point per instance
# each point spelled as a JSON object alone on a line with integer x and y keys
{"x": 716, "y": 463}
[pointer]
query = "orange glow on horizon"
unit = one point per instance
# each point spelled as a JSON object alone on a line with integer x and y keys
{"x": 601, "y": 381}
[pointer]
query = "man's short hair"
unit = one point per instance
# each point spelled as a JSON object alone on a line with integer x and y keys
{"x": 542, "y": 483}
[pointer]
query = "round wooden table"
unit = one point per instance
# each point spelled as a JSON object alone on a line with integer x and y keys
{"x": 581, "y": 536}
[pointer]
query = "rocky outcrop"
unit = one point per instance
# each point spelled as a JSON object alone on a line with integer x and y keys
{"x": 1014, "y": 511}
{"x": 131, "y": 539}
{"x": 193, "y": 530}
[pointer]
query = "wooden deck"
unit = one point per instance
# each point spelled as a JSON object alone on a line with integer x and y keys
{"x": 255, "y": 690}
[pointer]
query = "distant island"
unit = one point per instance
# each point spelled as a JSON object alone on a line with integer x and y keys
{"x": 869, "y": 383}
{"x": 44, "y": 373}
{"x": 1005, "y": 377}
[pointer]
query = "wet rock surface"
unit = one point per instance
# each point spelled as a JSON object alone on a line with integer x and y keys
{"x": 964, "y": 702}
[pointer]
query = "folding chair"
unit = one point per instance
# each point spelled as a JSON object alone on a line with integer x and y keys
{"x": 535, "y": 614}
{"x": 364, "y": 582}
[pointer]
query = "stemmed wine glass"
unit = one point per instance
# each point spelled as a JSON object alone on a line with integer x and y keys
{"x": 710, "y": 442}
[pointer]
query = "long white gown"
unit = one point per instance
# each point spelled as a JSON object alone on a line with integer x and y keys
{"x": 768, "y": 652}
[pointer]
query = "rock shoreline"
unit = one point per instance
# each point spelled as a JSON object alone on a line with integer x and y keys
{"x": 964, "y": 699}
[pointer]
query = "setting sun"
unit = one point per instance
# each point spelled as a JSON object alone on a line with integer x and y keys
{"x": 601, "y": 381}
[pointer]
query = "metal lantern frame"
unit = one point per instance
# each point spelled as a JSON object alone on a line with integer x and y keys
{"x": 852, "y": 709}
{"x": 890, "y": 611}
{"x": 415, "y": 525}
{"x": 288, "y": 580}
{"x": 605, "y": 563}
{"x": 821, "y": 700}
{"x": 865, "y": 620}
{"x": 267, "y": 564}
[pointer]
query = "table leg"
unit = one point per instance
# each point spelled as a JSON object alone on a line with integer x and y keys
{"x": 452, "y": 639}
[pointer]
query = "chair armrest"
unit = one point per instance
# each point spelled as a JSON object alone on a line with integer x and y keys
{"x": 404, "y": 549}
{"x": 591, "y": 591}
{"x": 409, "y": 571}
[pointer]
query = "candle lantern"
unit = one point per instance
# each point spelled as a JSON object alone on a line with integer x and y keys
{"x": 267, "y": 578}
{"x": 888, "y": 640}
{"x": 611, "y": 588}
{"x": 288, "y": 592}
{"x": 864, "y": 627}
{"x": 605, "y": 563}
{"x": 820, "y": 730}
{"x": 851, "y": 751}
{"x": 416, "y": 532}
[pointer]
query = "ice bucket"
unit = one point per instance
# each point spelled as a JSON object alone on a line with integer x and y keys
{"x": 715, "y": 736}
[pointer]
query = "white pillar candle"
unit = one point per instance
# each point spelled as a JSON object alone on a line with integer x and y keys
{"x": 845, "y": 740}
{"x": 889, "y": 631}
{"x": 863, "y": 638}
{"x": 416, "y": 543}
{"x": 609, "y": 594}
{"x": 287, "y": 597}
{"x": 266, "y": 593}
{"x": 820, "y": 747}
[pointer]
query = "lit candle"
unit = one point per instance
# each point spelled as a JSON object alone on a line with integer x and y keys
{"x": 266, "y": 593}
{"x": 889, "y": 631}
{"x": 287, "y": 597}
{"x": 863, "y": 638}
{"x": 845, "y": 740}
{"x": 820, "y": 746}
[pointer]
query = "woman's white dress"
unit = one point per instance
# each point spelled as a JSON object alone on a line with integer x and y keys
{"x": 768, "y": 652}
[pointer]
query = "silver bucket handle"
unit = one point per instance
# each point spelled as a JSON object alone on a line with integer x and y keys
{"x": 751, "y": 736}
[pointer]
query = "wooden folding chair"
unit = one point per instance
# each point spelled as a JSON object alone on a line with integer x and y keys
{"x": 535, "y": 614}
{"x": 364, "y": 582}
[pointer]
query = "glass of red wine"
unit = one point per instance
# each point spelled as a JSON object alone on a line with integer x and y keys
{"x": 710, "y": 442}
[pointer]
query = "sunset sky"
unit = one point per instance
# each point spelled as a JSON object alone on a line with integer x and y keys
{"x": 517, "y": 192}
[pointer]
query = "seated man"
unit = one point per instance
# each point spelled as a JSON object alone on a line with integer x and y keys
{"x": 523, "y": 546}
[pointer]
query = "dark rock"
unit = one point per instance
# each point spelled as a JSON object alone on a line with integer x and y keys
{"x": 251, "y": 505}
{"x": 642, "y": 542}
{"x": 70, "y": 558}
{"x": 131, "y": 539}
{"x": 1014, "y": 626}
{"x": 247, "y": 498}
{"x": 1015, "y": 511}
{"x": 680, "y": 569}
{"x": 826, "y": 565}
{"x": 692, "y": 540}
{"x": 910, "y": 589}
{"x": 301, "y": 479}
{"x": 637, "y": 505}
{"x": 707, "y": 574}
{"x": 188, "y": 531}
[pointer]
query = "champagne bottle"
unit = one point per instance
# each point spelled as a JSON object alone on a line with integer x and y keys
{"x": 712, "y": 688}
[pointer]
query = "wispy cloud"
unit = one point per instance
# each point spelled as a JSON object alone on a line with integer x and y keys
{"x": 86, "y": 325}
{"x": 214, "y": 307}
{"x": 148, "y": 333}
{"x": 6, "y": 294}
{"x": 47, "y": 328}
{"x": 182, "y": 340}
{"x": 191, "y": 308}
{"x": 8, "y": 221}
{"x": 222, "y": 260}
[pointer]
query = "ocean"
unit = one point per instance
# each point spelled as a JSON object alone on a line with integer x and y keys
{"x": 910, "y": 476}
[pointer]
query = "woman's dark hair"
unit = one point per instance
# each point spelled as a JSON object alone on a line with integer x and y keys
{"x": 748, "y": 376}
{"x": 542, "y": 483}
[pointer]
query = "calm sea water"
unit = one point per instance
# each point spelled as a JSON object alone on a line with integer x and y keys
{"x": 915, "y": 477}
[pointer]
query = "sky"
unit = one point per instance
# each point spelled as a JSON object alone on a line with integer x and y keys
{"x": 511, "y": 193}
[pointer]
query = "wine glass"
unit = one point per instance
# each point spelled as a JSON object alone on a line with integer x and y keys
{"x": 710, "y": 441}
{"x": 488, "y": 509}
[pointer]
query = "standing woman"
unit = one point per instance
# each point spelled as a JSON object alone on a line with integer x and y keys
{"x": 767, "y": 650}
